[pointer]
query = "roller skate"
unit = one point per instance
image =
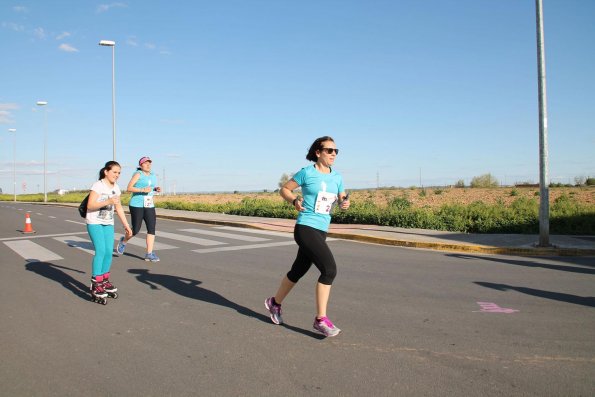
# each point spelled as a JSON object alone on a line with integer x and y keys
{"x": 109, "y": 288}
{"x": 98, "y": 294}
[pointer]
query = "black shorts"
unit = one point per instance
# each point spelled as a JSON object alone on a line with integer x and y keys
{"x": 140, "y": 214}
{"x": 313, "y": 249}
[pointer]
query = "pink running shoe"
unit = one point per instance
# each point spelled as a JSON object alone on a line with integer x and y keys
{"x": 325, "y": 327}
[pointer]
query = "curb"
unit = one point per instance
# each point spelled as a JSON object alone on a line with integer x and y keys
{"x": 483, "y": 249}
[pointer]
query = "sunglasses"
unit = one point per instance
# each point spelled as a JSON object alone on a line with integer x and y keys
{"x": 329, "y": 150}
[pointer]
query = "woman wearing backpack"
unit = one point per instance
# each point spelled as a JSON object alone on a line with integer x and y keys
{"x": 104, "y": 199}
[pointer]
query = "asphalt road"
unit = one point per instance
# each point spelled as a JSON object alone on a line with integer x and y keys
{"x": 415, "y": 322}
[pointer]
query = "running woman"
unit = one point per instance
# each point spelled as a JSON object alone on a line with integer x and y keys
{"x": 104, "y": 198}
{"x": 322, "y": 188}
{"x": 143, "y": 184}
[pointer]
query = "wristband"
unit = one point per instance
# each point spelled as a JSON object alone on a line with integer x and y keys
{"x": 294, "y": 200}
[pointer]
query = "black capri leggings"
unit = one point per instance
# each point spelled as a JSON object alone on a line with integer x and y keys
{"x": 140, "y": 214}
{"x": 313, "y": 249}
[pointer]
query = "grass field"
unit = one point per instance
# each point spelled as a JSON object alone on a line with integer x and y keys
{"x": 419, "y": 198}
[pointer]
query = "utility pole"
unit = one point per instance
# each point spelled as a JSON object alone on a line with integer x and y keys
{"x": 544, "y": 194}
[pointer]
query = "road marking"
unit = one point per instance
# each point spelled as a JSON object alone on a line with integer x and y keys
{"x": 256, "y": 231}
{"x": 188, "y": 239}
{"x": 141, "y": 242}
{"x": 265, "y": 232}
{"x": 52, "y": 217}
{"x": 243, "y": 247}
{"x": 226, "y": 235}
{"x": 39, "y": 236}
{"x": 78, "y": 242}
{"x": 78, "y": 223}
{"x": 489, "y": 307}
{"x": 31, "y": 251}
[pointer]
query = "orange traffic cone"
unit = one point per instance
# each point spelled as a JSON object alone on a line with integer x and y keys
{"x": 28, "y": 224}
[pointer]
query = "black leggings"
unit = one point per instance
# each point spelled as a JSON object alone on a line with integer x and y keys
{"x": 313, "y": 249}
{"x": 138, "y": 214}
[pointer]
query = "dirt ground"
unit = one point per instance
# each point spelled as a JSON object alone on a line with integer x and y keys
{"x": 430, "y": 197}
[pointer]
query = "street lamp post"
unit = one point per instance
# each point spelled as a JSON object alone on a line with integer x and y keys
{"x": 45, "y": 150}
{"x": 14, "y": 161}
{"x": 109, "y": 43}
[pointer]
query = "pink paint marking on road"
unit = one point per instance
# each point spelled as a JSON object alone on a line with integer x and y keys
{"x": 489, "y": 307}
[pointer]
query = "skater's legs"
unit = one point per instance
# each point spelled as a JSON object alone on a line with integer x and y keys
{"x": 108, "y": 238}
{"x": 102, "y": 248}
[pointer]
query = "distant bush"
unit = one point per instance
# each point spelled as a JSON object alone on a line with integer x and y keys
{"x": 460, "y": 183}
{"x": 526, "y": 184}
{"x": 485, "y": 180}
{"x": 590, "y": 182}
{"x": 399, "y": 203}
{"x": 579, "y": 180}
{"x": 560, "y": 184}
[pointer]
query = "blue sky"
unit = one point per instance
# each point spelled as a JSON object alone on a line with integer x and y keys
{"x": 228, "y": 95}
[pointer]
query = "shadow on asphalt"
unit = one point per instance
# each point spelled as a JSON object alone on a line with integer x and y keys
{"x": 132, "y": 256}
{"x": 53, "y": 272}
{"x": 558, "y": 296}
{"x": 190, "y": 288}
{"x": 533, "y": 262}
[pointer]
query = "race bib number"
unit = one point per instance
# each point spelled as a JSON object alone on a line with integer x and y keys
{"x": 148, "y": 201}
{"x": 324, "y": 202}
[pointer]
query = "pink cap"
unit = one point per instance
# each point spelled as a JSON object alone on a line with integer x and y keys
{"x": 144, "y": 160}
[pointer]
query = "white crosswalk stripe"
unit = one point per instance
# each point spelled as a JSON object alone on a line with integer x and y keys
{"x": 226, "y": 235}
{"x": 256, "y": 231}
{"x": 189, "y": 239}
{"x": 139, "y": 241}
{"x": 32, "y": 252}
{"x": 265, "y": 232}
{"x": 35, "y": 251}
{"x": 77, "y": 242}
{"x": 243, "y": 247}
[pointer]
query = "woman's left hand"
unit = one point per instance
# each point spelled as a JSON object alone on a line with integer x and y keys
{"x": 344, "y": 204}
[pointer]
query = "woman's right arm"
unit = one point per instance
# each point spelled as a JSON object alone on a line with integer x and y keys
{"x": 133, "y": 181}
{"x": 92, "y": 204}
{"x": 287, "y": 193}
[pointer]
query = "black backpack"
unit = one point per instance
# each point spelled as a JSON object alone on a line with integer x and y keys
{"x": 83, "y": 207}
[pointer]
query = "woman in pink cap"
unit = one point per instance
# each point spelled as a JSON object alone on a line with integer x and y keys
{"x": 143, "y": 185}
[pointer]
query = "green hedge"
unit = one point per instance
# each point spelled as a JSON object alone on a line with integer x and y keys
{"x": 567, "y": 215}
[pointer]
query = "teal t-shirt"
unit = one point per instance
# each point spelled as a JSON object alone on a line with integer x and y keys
{"x": 320, "y": 193}
{"x": 138, "y": 199}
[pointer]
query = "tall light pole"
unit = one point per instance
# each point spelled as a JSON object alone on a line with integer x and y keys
{"x": 109, "y": 43}
{"x": 14, "y": 161}
{"x": 45, "y": 149}
{"x": 544, "y": 192}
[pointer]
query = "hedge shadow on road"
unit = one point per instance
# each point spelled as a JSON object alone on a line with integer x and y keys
{"x": 558, "y": 296}
{"x": 583, "y": 268}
